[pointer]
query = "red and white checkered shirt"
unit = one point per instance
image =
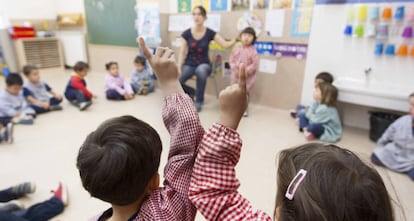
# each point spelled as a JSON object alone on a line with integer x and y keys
{"x": 213, "y": 188}
{"x": 171, "y": 202}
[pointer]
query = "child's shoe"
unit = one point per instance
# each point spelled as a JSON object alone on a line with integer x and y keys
{"x": 198, "y": 106}
{"x": 246, "y": 114}
{"x": 25, "y": 120}
{"x": 24, "y": 188}
{"x": 293, "y": 114}
{"x": 84, "y": 105}
{"x": 56, "y": 108}
{"x": 11, "y": 206}
{"x": 309, "y": 136}
{"x": 61, "y": 193}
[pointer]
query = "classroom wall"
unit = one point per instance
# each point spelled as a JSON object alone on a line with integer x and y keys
{"x": 24, "y": 9}
{"x": 329, "y": 50}
{"x": 72, "y": 6}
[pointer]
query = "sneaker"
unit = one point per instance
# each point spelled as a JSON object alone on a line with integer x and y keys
{"x": 11, "y": 206}
{"x": 9, "y": 132}
{"x": 293, "y": 114}
{"x": 26, "y": 120}
{"x": 24, "y": 188}
{"x": 56, "y": 108}
{"x": 61, "y": 193}
{"x": 309, "y": 136}
{"x": 198, "y": 106}
{"x": 245, "y": 114}
{"x": 74, "y": 102}
{"x": 84, "y": 105}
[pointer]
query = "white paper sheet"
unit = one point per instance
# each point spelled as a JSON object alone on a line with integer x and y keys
{"x": 275, "y": 23}
{"x": 267, "y": 66}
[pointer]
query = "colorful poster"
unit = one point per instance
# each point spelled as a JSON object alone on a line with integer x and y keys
{"x": 302, "y": 18}
{"x": 282, "y": 4}
{"x": 218, "y": 5}
{"x": 260, "y": 4}
{"x": 250, "y": 20}
{"x": 265, "y": 48}
{"x": 148, "y": 23}
{"x": 204, "y": 3}
{"x": 240, "y": 5}
{"x": 184, "y": 6}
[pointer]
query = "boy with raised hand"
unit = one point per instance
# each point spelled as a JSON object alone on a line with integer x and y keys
{"x": 118, "y": 162}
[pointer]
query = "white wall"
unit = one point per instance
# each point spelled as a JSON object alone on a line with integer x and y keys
{"x": 27, "y": 9}
{"x": 330, "y": 50}
{"x": 69, "y": 6}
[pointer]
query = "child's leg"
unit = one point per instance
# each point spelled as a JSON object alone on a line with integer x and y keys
{"x": 53, "y": 101}
{"x": 80, "y": 97}
{"x": 151, "y": 87}
{"x": 8, "y": 216}
{"x": 299, "y": 108}
{"x": 38, "y": 109}
{"x": 17, "y": 191}
{"x": 316, "y": 129}
{"x": 42, "y": 211}
{"x": 411, "y": 174}
{"x": 114, "y": 95}
{"x": 135, "y": 87}
{"x": 303, "y": 121}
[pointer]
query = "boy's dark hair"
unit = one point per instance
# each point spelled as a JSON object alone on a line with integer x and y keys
{"x": 80, "y": 66}
{"x": 118, "y": 159}
{"x": 140, "y": 60}
{"x": 251, "y": 31}
{"x": 329, "y": 94}
{"x": 203, "y": 10}
{"x": 109, "y": 64}
{"x": 27, "y": 69}
{"x": 337, "y": 186}
{"x": 326, "y": 77}
{"x": 14, "y": 79}
{"x": 411, "y": 95}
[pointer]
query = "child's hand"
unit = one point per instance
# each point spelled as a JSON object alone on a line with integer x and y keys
{"x": 233, "y": 101}
{"x": 58, "y": 96}
{"x": 44, "y": 105}
{"x": 165, "y": 67}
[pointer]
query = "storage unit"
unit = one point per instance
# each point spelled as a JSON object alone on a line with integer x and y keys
{"x": 42, "y": 52}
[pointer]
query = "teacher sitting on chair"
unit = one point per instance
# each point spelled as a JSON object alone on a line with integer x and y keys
{"x": 194, "y": 56}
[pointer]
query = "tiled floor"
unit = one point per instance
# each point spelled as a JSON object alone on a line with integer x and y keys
{"x": 46, "y": 152}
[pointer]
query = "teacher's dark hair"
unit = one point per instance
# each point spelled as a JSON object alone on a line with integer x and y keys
{"x": 203, "y": 11}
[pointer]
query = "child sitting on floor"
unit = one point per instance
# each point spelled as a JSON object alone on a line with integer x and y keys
{"x": 13, "y": 106}
{"x": 116, "y": 87}
{"x": 245, "y": 53}
{"x": 321, "y": 120}
{"x": 323, "y": 77}
{"x": 395, "y": 148}
{"x": 37, "y": 92}
{"x": 76, "y": 91}
{"x": 314, "y": 181}
{"x": 141, "y": 77}
{"x": 118, "y": 162}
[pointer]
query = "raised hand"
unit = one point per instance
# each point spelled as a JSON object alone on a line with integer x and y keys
{"x": 233, "y": 101}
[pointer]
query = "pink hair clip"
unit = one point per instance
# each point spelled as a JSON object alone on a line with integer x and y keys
{"x": 294, "y": 184}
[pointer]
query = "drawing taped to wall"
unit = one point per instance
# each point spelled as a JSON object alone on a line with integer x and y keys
{"x": 260, "y": 4}
{"x": 240, "y": 5}
{"x": 281, "y": 4}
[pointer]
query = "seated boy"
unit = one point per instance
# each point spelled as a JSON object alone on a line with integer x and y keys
{"x": 76, "y": 91}
{"x": 395, "y": 148}
{"x": 13, "y": 106}
{"x": 118, "y": 162}
{"x": 37, "y": 92}
{"x": 141, "y": 77}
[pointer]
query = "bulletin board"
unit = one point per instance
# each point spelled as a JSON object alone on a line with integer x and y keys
{"x": 270, "y": 89}
{"x": 111, "y": 22}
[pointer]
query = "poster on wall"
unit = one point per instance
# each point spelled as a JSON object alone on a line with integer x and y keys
{"x": 250, "y": 19}
{"x": 281, "y": 4}
{"x": 148, "y": 22}
{"x": 218, "y": 5}
{"x": 184, "y": 6}
{"x": 204, "y": 3}
{"x": 240, "y": 5}
{"x": 302, "y": 18}
{"x": 260, "y": 4}
{"x": 275, "y": 23}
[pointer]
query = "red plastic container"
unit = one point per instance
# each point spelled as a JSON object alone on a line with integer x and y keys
{"x": 22, "y": 32}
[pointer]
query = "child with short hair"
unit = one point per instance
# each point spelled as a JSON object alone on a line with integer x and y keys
{"x": 76, "y": 91}
{"x": 314, "y": 181}
{"x": 321, "y": 120}
{"x": 13, "y": 106}
{"x": 322, "y": 77}
{"x": 116, "y": 86}
{"x": 395, "y": 148}
{"x": 37, "y": 92}
{"x": 141, "y": 77}
{"x": 247, "y": 54}
{"x": 118, "y": 162}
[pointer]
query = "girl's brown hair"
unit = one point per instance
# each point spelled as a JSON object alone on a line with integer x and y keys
{"x": 329, "y": 94}
{"x": 338, "y": 186}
